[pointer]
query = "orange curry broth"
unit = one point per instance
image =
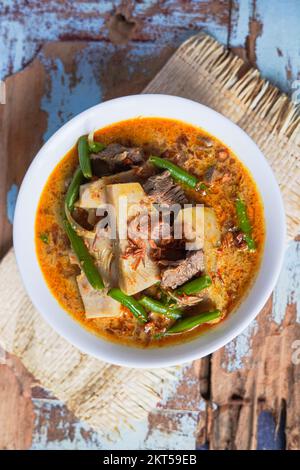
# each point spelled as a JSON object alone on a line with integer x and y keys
{"x": 237, "y": 269}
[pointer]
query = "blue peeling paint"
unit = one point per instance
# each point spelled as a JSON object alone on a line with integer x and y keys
{"x": 239, "y": 348}
{"x": 73, "y": 434}
{"x": 68, "y": 95}
{"x": 279, "y": 25}
{"x": 167, "y": 24}
{"x": 11, "y": 199}
{"x": 287, "y": 290}
{"x": 267, "y": 436}
{"x": 240, "y": 23}
{"x": 23, "y": 34}
{"x": 71, "y": 91}
{"x": 278, "y": 45}
{"x": 277, "y": 48}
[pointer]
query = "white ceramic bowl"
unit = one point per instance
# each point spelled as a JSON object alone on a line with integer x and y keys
{"x": 117, "y": 110}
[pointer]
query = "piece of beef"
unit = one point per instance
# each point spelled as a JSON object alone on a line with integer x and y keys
{"x": 211, "y": 174}
{"x": 193, "y": 264}
{"x": 81, "y": 216}
{"x": 116, "y": 157}
{"x": 168, "y": 253}
{"x": 163, "y": 190}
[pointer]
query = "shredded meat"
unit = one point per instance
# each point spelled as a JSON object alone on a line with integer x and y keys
{"x": 182, "y": 141}
{"x": 178, "y": 155}
{"x": 187, "y": 268}
{"x": 116, "y": 157}
{"x": 234, "y": 237}
{"x": 212, "y": 174}
{"x": 137, "y": 239}
{"x": 163, "y": 190}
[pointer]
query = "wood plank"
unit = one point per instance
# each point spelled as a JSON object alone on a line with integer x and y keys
{"x": 119, "y": 21}
{"x": 259, "y": 371}
{"x": 174, "y": 424}
{"x": 16, "y": 408}
{"x": 269, "y": 44}
{"x": 22, "y": 124}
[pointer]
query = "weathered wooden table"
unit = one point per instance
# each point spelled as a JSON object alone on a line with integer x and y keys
{"x": 59, "y": 58}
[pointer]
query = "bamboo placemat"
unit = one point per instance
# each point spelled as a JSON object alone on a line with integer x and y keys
{"x": 108, "y": 396}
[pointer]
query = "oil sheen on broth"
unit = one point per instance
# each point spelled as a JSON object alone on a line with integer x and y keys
{"x": 224, "y": 176}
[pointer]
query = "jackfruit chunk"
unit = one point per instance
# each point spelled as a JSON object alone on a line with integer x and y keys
{"x": 91, "y": 195}
{"x": 199, "y": 226}
{"x": 201, "y": 229}
{"x": 137, "y": 271}
{"x": 97, "y": 304}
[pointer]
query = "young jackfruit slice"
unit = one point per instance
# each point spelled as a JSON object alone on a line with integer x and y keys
{"x": 137, "y": 271}
{"x": 200, "y": 227}
{"x": 92, "y": 195}
{"x": 97, "y": 304}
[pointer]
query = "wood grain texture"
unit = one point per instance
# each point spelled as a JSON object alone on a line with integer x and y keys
{"x": 16, "y": 407}
{"x": 22, "y": 124}
{"x": 226, "y": 419}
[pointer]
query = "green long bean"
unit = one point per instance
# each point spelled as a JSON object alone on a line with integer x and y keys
{"x": 73, "y": 189}
{"x": 189, "y": 323}
{"x": 96, "y": 147}
{"x": 244, "y": 223}
{"x": 177, "y": 173}
{"x": 84, "y": 257}
{"x": 195, "y": 286}
{"x": 155, "y": 306}
{"x": 130, "y": 302}
{"x": 84, "y": 156}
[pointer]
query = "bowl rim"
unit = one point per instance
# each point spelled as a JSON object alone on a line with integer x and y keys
{"x": 66, "y": 325}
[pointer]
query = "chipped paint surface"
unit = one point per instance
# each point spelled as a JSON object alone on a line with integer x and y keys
{"x": 11, "y": 200}
{"x": 66, "y": 434}
{"x": 179, "y": 432}
{"x": 240, "y": 23}
{"x": 166, "y": 428}
{"x": 85, "y": 79}
{"x": 274, "y": 44}
{"x": 168, "y": 22}
{"x": 268, "y": 436}
{"x": 68, "y": 95}
{"x": 56, "y": 429}
{"x": 287, "y": 291}
{"x": 283, "y": 68}
{"x": 239, "y": 349}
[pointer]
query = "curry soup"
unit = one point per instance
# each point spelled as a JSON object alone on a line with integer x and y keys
{"x": 150, "y": 291}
